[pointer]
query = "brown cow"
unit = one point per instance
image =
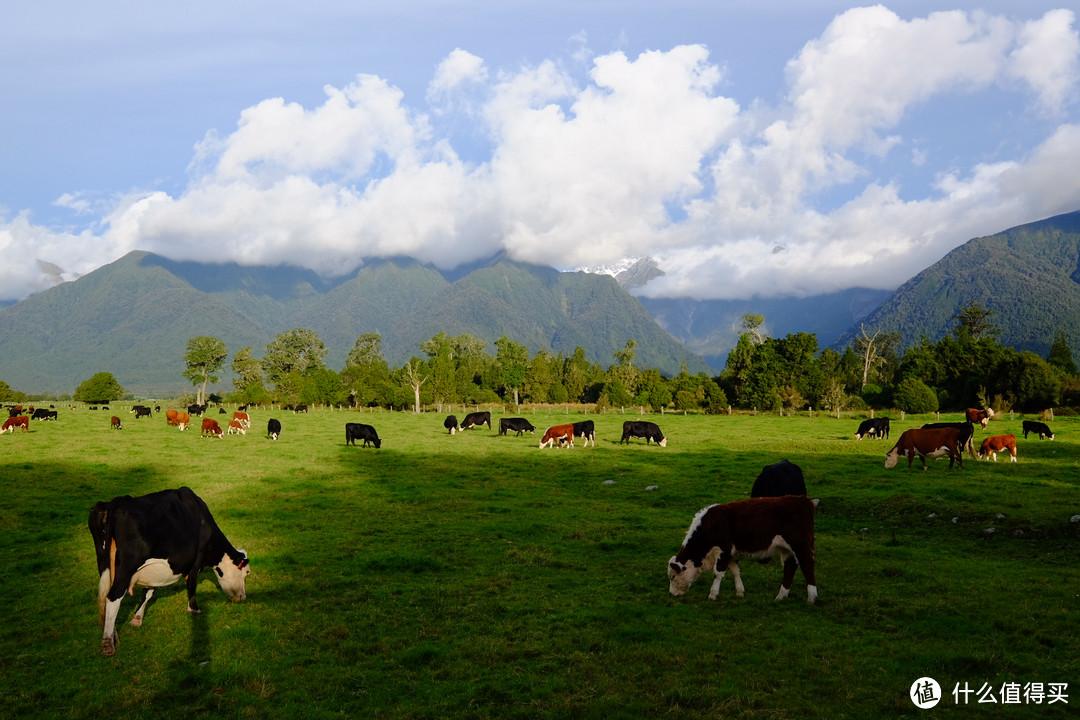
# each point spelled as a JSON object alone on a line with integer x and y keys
{"x": 170, "y": 417}
{"x": 242, "y": 418}
{"x": 210, "y": 427}
{"x": 114, "y": 423}
{"x": 974, "y": 415}
{"x": 721, "y": 535}
{"x": 11, "y": 423}
{"x": 235, "y": 426}
{"x": 998, "y": 443}
{"x": 182, "y": 420}
{"x": 927, "y": 443}
{"x": 556, "y": 433}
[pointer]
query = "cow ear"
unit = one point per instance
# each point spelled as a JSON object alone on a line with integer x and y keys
{"x": 218, "y": 571}
{"x": 676, "y": 567}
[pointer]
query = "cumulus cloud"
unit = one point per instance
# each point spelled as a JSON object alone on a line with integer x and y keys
{"x": 639, "y": 155}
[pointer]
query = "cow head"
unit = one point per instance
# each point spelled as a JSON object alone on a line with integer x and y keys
{"x": 681, "y": 575}
{"x": 663, "y": 442}
{"x": 231, "y": 574}
{"x": 891, "y": 457}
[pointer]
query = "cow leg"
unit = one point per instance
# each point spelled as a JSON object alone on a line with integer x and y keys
{"x": 805, "y": 558}
{"x": 137, "y": 620}
{"x": 790, "y": 564}
{"x": 740, "y": 590}
{"x": 108, "y": 638}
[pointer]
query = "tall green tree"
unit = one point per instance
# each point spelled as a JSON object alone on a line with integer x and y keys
{"x": 973, "y": 321}
{"x": 290, "y": 357}
{"x": 512, "y": 361}
{"x": 205, "y": 356}
{"x": 366, "y": 377}
{"x": 1060, "y": 355}
{"x": 101, "y": 388}
{"x": 248, "y": 377}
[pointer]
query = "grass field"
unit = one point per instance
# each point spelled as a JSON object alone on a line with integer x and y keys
{"x": 476, "y": 576}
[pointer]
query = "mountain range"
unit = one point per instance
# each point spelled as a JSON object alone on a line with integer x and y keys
{"x": 134, "y": 317}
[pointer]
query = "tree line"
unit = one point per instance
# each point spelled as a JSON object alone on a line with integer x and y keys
{"x": 968, "y": 368}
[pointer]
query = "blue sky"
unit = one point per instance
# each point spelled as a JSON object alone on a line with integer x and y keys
{"x": 749, "y": 147}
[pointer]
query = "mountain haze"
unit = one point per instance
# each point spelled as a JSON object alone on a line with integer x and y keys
{"x": 133, "y": 317}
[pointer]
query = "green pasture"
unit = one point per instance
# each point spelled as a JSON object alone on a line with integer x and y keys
{"x": 476, "y": 576}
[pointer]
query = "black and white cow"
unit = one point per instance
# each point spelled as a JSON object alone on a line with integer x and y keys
{"x": 359, "y": 431}
{"x": 273, "y": 428}
{"x": 156, "y": 540}
{"x": 721, "y": 535}
{"x": 874, "y": 427}
{"x": 779, "y": 479}
{"x": 518, "y": 425}
{"x": 476, "y": 419}
{"x": 142, "y": 411}
{"x": 1039, "y": 428}
{"x": 642, "y": 429}
{"x": 587, "y": 430}
{"x": 451, "y": 423}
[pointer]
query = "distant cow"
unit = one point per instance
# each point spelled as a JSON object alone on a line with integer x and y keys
{"x": 170, "y": 416}
{"x": 967, "y": 434}
{"x": 11, "y": 423}
{"x": 517, "y": 425}
{"x": 641, "y": 429}
{"x": 874, "y": 427}
{"x": 586, "y": 429}
{"x": 114, "y": 423}
{"x": 156, "y": 540}
{"x": 1039, "y": 428}
{"x": 182, "y": 420}
{"x": 42, "y": 414}
{"x": 556, "y": 434}
{"x": 141, "y": 411}
{"x": 974, "y": 415}
{"x": 779, "y": 479}
{"x": 359, "y": 431}
{"x": 273, "y": 429}
{"x": 237, "y": 427}
{"x": 196, "y": 409}
{"x": 301, "y": 408}
{"x": 927, "y": 443}
{"x": 475, "y": 420}
{"x": 242, "y": 418}
{"x": 721, "y": 535}
{"x": 451, "y": 423}
{"x": 210, "y": 427}
{"x": 998, "y": 443}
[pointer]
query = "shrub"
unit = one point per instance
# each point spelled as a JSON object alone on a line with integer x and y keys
{"x": 914, "y": 396}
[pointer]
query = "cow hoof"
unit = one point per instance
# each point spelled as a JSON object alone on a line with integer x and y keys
{"x": 108, "y": 647}
{"x": 136, "y": 621}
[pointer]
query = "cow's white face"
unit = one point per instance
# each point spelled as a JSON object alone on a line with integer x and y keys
{"x": 663, "y": 443}
{"x": 231, "y": 576}
{"x": 681, "y": 576}
{"x": 891, "y": 457}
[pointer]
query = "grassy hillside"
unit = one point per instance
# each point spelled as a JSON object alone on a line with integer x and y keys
{"x": 475, "y": 576}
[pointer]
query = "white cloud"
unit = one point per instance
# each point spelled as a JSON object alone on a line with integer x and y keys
{"x": 638, "y": 155}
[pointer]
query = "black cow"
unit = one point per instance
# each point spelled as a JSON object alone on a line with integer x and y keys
{"x": 586, "y": 430}
{"x": 641, "y": 429}
{"x": 877, "y": 427}
{"x": 1039, "y": 428}
{"x": 156, "y": 540}
{"x": 518, "y": 425}
{"x": 451, "y": 423}
{"x": 779, "y": 479}
{"x": 476, "y": 419}
{"x": 195, "y": 409}
{"x": 142, "y": 412}
{"x": 273, "y": 429}
{"x": 301, "y": 408}
{"x": 43, "y": 414}
{"x": 359, "y": 431}
{"x": 967, "y": 432}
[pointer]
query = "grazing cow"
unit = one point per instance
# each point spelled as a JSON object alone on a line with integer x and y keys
{"x": 43, "y": 414}
{"x": 153, "y": 541}
{"x": 195, "y": 409}
{"x": 974, "y": 415}
{"x": 1040, "y": 428}
{"x": 301, "y": 408}
{"x": 170, "y": 417}
{"x": 142, "y": 412}
{"x": 967, "y": 434}
{"x": 927, "y": 443}
{"x": 11, "y": 423}
{"x": 476, "y": 419}
{"x": 641, "y": 429}
{"x": 451, "y": 423}
{"x": 210, "y": 427}
{"x": 182, "y": 420}
{"x": 242, "y": 418}
{"x": 359, "y": 431}
{"x": 779, "y": 479}
{"x": 557, "y": 433}
{"x": 114, "y": 423}
{"x": 273, "y": 429}
{"x": 998, "y": 443}
{"x": 237, "y": 427}
{"x": 721, "y": 535}
{"x": 874, "y": 427}
{"x": 587, "y": 430}
{"x": 518, "y": 425}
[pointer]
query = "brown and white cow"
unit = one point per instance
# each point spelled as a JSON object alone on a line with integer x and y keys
{"x": 114, "y": 423}
{"x": 998, "y": 444}
{"x": 237, "y": 427}
{"x": 927, "y": 443}
{"x": 210, "y": 427}
{"x": 721, "y": 535}
{"x": 182, "y": 420}
{"x": 11, "y": 423}
{"x": 974, "y": 415}
{"x": 242, "y": 418}
{"x": 556, "y": 434}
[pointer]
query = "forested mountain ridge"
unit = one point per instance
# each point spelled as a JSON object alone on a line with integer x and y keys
{"x": 134, "y": 317}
